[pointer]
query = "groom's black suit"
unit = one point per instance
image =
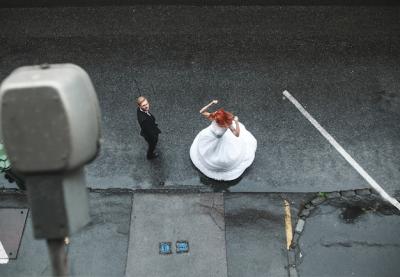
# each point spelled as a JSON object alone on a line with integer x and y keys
{"x": 149, "y": 130}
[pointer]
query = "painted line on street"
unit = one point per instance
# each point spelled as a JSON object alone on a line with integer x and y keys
{"x": 3, "y": 255}
{"x": 288, "y": 224}
{"x": 343, "y": 152}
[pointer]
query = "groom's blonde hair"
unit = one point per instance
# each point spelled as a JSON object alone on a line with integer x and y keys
{"x": 140, "y": 99}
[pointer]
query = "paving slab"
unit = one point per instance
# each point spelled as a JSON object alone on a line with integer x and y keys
{"x": 255, "y": 235}
{"x": 99, "y": 249}
{"x": 350, "y": 238}
{"x": 196, "y": 218}
{"x": 32, "y": 256}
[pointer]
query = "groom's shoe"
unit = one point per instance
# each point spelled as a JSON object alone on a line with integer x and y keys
{"x": 152, "y": 156}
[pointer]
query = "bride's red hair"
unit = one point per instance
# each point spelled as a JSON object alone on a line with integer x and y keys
{"x": 223, "y": 118}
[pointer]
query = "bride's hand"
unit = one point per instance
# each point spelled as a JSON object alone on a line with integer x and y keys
{"x": 214, "y": 101}
{"x": 236, "y": 118}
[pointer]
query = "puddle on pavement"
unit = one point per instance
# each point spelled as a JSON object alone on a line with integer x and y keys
{"x": 353, "y": 209}
{"x": 251, "y": 216}
{"x": 351, "y": 213}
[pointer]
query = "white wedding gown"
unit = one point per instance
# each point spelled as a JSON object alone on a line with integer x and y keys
{"x": 220, "y": 155}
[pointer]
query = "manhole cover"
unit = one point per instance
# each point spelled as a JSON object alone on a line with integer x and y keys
{"x": 12, "y": 223}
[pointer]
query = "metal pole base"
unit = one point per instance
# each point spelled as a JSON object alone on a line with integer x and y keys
{"x": 58, "y": 256}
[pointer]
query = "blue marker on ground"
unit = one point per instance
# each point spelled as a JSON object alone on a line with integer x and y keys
{"x": 182, "y": 246}
{"x": 165, "y": 248}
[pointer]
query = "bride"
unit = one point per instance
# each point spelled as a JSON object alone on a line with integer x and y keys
{"x": 221, "y": 154}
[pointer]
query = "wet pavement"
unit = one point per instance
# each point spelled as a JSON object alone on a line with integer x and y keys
{"x": 228, "y": 235}
{"x": 350, "y": 237}
{"x": 255, "y": 235}
{"x": 341, "y": 63}
{"x": 354, "y": 236}
{"x": 99, "y": 249}
{"x": 197, "y": 219}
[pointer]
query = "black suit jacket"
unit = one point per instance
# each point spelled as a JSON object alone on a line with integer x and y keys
{"x": 148, "y": 125}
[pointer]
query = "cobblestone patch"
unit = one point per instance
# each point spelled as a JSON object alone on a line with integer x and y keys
{"x": 363, "y": 196}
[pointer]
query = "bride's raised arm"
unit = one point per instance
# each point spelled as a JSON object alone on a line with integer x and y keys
{"x": 235, "y": 130}
{"x": 204, "y": 112}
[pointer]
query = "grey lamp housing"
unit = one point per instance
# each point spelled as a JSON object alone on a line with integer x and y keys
{"x": 50, "y": 127}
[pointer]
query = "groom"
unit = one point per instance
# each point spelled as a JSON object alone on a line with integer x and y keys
{"x": 149, "y": 129}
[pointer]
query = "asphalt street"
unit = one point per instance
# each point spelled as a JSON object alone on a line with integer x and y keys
{"x": 341, "y": 63}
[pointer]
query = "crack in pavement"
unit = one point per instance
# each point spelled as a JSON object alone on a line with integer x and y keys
{"x": 213, "y": 211}
{"x": 358, "y": 243}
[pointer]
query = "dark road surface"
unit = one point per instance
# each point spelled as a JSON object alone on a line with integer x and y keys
{"x": 341, "y": 63}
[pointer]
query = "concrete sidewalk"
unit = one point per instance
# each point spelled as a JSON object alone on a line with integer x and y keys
{"x": 229, "y": 234}
{"x": 97, "y": 250}
{"x": 244, "y": 239}
{"x": 195, "y": 218}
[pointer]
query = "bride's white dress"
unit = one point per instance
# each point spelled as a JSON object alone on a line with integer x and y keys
{"x": 220, "y": 155}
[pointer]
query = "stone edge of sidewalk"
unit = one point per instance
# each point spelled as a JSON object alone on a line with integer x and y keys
{"x": 294, "y": 252}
